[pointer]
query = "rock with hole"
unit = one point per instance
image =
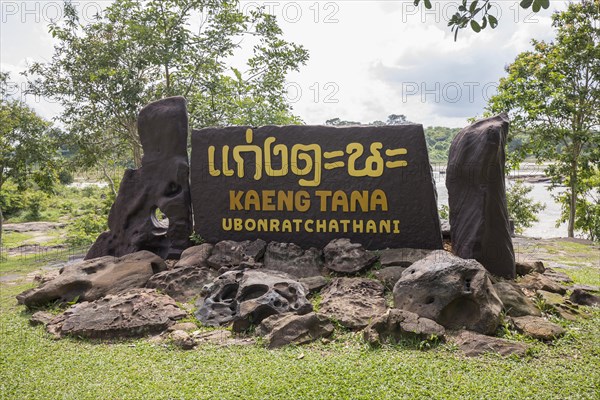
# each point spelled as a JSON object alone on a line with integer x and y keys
{"x": 90, "y": 280}
{"x": 456, "y": 293}
{"x": 182, "y": 283}
{"x": 247, "y": 297}
{"x": 159, "y": 188}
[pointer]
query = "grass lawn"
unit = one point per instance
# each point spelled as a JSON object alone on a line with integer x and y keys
{"x": 34, "y": 366}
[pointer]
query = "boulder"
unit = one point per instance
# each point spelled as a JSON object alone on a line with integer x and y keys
{"x": 345, "y": 257}
{"x": 538, "y": 328}
{"x": 536, "y": 281}
{"x": 477, "y": 196}
{"x": 291, "y": 259}
{"x": 389, "y": 276}
{"x": 135, "y": 313}
{"x": 584, "y": 298}
{"x": 41, "y": 318}
{"x": 524, "y": 268}
{"x": 401, "y": 257}
{"x": 159, "y": 186}
{"x": 558, "y": 304}
{"x": 314, "y": 283}
{"x": 247, "y": 297}
{"x": 283, "y": 329}
{"x": 353, "y": 302}
{"x": 195, "y": 256}
{"x": 182, "y": 283}
{"x": 228, "y": 254}
{"x": 92, "y": 279}
{"x": 182, "y": 339}
{"x": 455, "y": 293}
{"x": 396, "y": 325}
{"x": 474, "y": 344}
{"x": 516, "y": 304}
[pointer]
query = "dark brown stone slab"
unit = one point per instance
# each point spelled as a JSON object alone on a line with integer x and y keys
{"x": 312, "y": 184}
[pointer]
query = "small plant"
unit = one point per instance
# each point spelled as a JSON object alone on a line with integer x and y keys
{"x": 196, "y": 239}
{"x": 444, "y": 212}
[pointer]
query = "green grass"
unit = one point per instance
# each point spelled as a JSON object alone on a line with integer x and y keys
{"x": 14, "y": 239}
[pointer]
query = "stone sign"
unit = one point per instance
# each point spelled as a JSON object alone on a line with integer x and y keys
{"x": 311, "y": 184}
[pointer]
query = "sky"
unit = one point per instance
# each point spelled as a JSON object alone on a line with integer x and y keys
{"x": 368, "y": 59}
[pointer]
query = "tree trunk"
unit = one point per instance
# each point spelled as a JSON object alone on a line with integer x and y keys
{"x": 573, "y": 199}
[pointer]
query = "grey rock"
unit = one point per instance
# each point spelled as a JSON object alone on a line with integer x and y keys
{"x": 524, "y": 268}
{"x": 354, "y": 302}
{"x": 195, "y": 256}
{"x": 229, "y": 254}
{"x": 41, "y": 318}
{"x": 455, "y": 293}
{"x": 584, "y": 298}
{"x": 516, "y": 304}
{"x": 536, "y": 281}
{"x": 182, "y": 339}
{"x": 587, "y": 288}
{"x": 473, "y": 344}
{"x": 538, "y": 328}
{"x": 389, "y": 276}
{"x": 291, "y": 259}
{"x": 556, "y": 276}
{"x": 183, "y": 326}
{"x": 477, "y": 196}
{"x": 343, "y": 256}
{"x": 396, "y": 325}
{"x": 247, "y": 297}
{"x": 135, "y": 313}
{"x": 446, "y": 230}
{"x": 92, "y": 279}
{"x": 401, "y": 257}
{"x": 314, "y": 283}
{"x": 182, "y": 283}
{"x": 281, "y": 330}
{"x": 161, "y": 183}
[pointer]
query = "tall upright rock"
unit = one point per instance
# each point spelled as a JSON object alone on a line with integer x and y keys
{"x": 477, "y": 196}
{"x": 159, "y": 186}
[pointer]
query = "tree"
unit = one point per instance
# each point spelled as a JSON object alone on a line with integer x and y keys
{"x": 28, "y": 148}
{"x": 469, "y": 11}
{"x": 553, "y": 96}
{"x": 103, "y": 72}
{"x": 522, "y": 209}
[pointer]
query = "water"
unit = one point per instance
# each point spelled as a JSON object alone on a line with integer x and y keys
{"x": 544, "y": 228}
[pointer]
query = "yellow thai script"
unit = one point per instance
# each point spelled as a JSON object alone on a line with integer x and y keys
{"x": 303, "y": 160}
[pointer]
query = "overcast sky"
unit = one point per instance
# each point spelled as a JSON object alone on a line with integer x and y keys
{"x": 368, "y": 59}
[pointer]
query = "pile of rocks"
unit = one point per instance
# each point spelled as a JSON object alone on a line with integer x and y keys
{"x": 289, "y": 295}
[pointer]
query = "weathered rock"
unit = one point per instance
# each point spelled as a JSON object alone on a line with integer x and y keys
{"x": 281, "y": 330}
{"x": 354, "y": 302}
{"x": 446, "y": 230}
{"x": 538, "y": 328}
{"x": 396, "y": 325}
{"x": 291, "y": 259}
{"x": 524, "y": 268}
{"x": 474, "y": 344}
{"x": 247, "y": 297}
{"x": 161, "y": 183}
{"x": 455, "y": 293}
{"x": 92, "y": 279}
{"x": 41, "y": 318}
{"x": 558, "y": 304}
{"x": 182, "y": 340}
{"x": 535, "y": 281}
{"x": 584, "y": 298}
{"x": 401, "y": 257}
{"x": 516, "y": 304}
{"x": 556, "y": 276}
{"x": 182, "y": 283}
{"x": 135, "y": 313}
{"x": 314, "y": 283}
{"x": 195, "y": 256}
{"x": 389, "y": 276}
{"x": 229, "y": 254}
{"x": 587, "y": 288}
{"x": 343, "y": 256}
{"x": 222, "y": 338}
{"x": 477, "y": 196}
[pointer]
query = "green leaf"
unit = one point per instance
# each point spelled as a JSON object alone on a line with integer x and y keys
{"x": 493, "y": 21}
{"x": 484, "y": 23}
{"x": 475, "y": 26}
{"x": 427, "y": 4}
{"x": 473, "y": 7}
{"x": 536, "y": 6}
{"x": 545, "y": 4}
{"x": 526, "y": 3}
